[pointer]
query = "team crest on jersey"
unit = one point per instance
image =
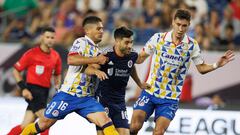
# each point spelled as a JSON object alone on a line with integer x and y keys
{"x": 39, "y": 69}
{"x": 55, "y": 113}
{"x": 110, "y": 71}
{"x": 130, "y": 63}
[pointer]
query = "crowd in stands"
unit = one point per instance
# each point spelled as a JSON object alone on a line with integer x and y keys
{"x": 215, "y": 23}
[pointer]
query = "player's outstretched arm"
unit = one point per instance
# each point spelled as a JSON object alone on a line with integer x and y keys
{"x": 135, "y": 77}
{"x": 93, "y": 69}
{"x": 226, "y": 58}
{"x": 78, "y": 59}
{"x": 142, "y": 56}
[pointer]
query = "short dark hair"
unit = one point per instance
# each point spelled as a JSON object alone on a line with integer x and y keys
{"x": 47, "y": 29}
{"x": 182, "y": 14}
{"x": 91, "y": 20}
{"x": 122, "y": 32}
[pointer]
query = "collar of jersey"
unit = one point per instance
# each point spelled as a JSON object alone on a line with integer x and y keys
{"x": 168, "y": 37}
{"x": 90, "y": 41}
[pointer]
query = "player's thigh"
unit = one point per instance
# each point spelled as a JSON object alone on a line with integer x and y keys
{"x": 162, "y": 124}
{"x": 123, "y": 131}
{"x": 45, "y": 123}
{"x": 143, "y": 107}
{"x": 40, "y": 113}
{"x": 98, "y": 118}
{"x": 138, "y": 117}
{"x": 29, "y": 117}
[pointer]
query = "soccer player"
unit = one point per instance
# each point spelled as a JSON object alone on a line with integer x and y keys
{"x": 40, "y": 63}
{"x": 111, "y": 90}
{"x": 172, "y": 52}
{"x": 77, "y": 92}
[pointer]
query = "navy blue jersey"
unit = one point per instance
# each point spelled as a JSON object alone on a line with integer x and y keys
{"x": 118, "y": 70}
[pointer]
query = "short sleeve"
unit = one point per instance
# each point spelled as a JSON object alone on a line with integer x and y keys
{"x": 196, "y": 54}
{"x": 24, "y": 61}
{"x": 77, "y": 47}
{"x": 58, "y": 67}
{"x": 150, "y": 46}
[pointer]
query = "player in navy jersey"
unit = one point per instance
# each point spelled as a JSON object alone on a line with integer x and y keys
{"x": 41, "y": 63}
{"x": 115, "y": 75}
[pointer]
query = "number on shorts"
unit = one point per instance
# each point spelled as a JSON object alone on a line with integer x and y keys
{"x": 62, "y": 106}
{"x": 124, "y": 114}
{"x": 51, "y": 107}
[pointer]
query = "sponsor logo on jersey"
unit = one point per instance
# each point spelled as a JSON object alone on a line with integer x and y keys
{"x": 172, "y": 57}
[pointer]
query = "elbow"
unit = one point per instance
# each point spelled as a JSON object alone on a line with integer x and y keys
{"x": 202, "y": 72}
{"x": 70, "y": 61}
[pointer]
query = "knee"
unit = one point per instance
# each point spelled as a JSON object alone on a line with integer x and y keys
{"x": 44, "y": 123}
{"x": 159, "y": 131}
{"x": 101, "y": 121}
{"x": 135, "y": 127}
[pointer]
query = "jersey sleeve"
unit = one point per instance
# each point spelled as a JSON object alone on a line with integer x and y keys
{"x": 78, "y": 47}
{"x": 150, "y": 46}
{"x": 135, "y": 55}
{"x": 24, "y": 61}
{"x": 196, "y": 54}
{"x": 58, "y": 67}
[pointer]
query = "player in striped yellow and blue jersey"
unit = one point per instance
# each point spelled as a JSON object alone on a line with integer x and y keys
{"x": 171, "y": 54}
{"x": 77, "y": 92}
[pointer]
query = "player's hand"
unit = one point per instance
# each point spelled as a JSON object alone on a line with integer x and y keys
{"x": 27, "y": 94}
{"x": 145, "y": 85}
{"x": 101, "y": 75}
{"x": 227, "y": 57}
{"x": 102, "y": 59}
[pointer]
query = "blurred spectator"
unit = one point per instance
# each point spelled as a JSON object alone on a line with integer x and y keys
{"x": 228, "y": 41}
{"x": 95, "y": 5}
{"x": 217, "y": 103}
{"x": 16, "y": 31}
{"x": 19, "y": 7}
{"x": 41, "y": 20}
{"x": 131, "y": 12}
{"x": 218, "y": 6}
{"x": 213, "y": 28}
{"x": 151, "y": 15}
{"x": 200, "y": 9}
{"x": 234, "y": 7}
{"x": 200, "y": 36}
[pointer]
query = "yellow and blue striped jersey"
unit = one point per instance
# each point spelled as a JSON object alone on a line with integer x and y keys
{"x": 76, "y": 82}
{"x": 170, "y": 63}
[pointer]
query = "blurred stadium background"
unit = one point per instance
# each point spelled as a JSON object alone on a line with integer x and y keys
{"x": 215, "y": 25}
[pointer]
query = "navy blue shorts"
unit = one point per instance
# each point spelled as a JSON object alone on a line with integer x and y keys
{"x": 162, "y": 107}
{"x": 62, "y": 104}
{"x": 117, "y": 112}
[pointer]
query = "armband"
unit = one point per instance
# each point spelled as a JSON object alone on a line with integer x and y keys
{"x": 22, "y": 85}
